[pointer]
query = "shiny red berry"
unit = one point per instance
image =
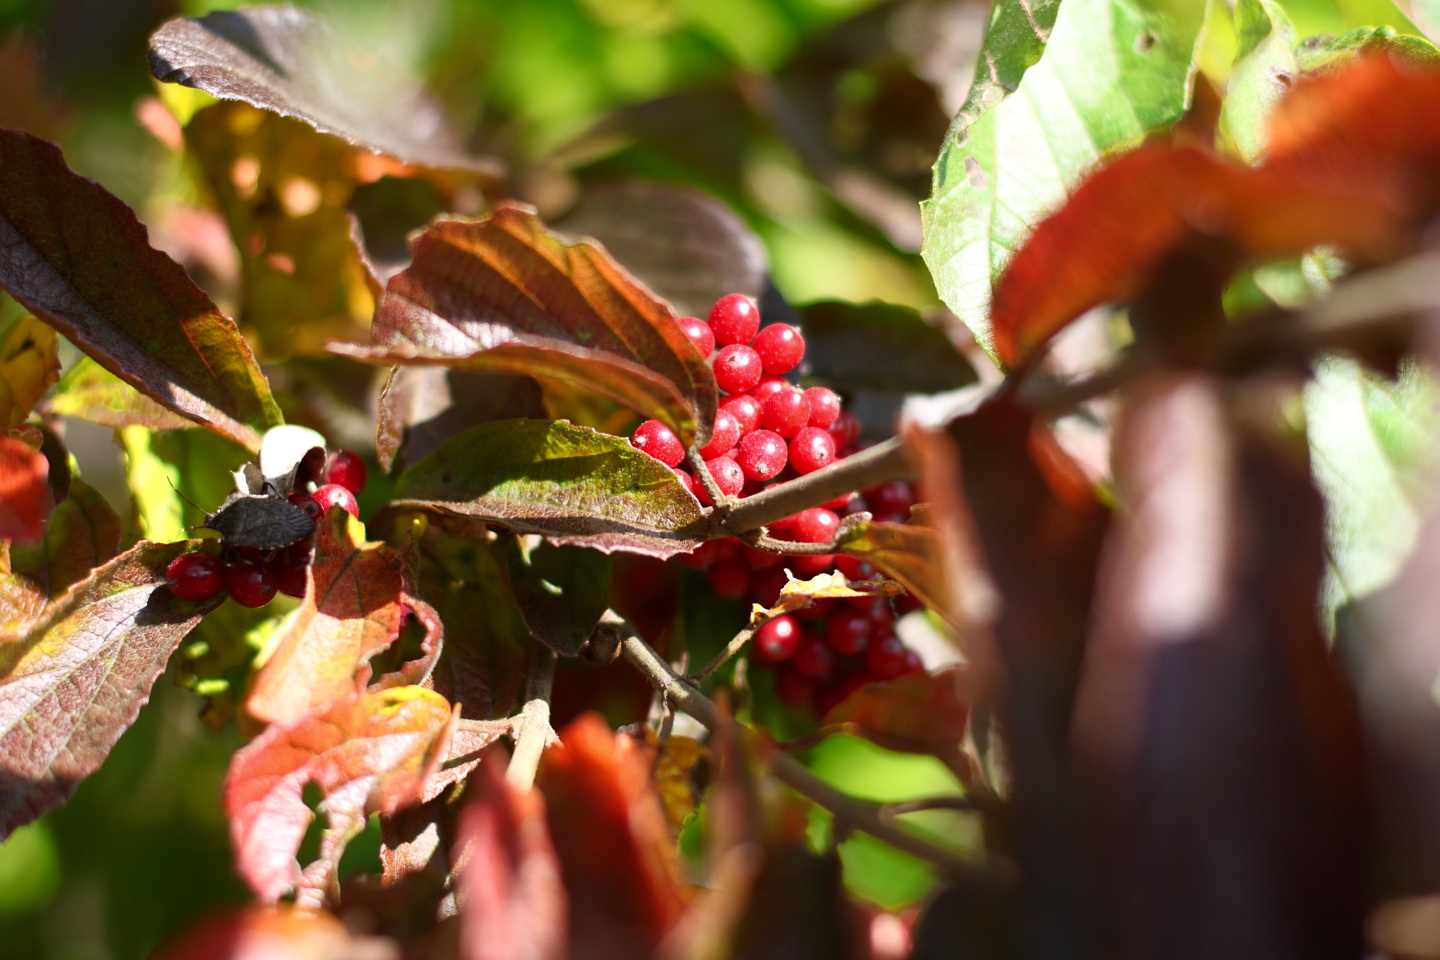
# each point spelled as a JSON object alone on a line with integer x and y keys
{"x": 894, "y": 496}
{"x": 334, "y": 495}
{"x": 728, "y": 477}
{"x": 724, "y": 435}
{"x": 848, "y": 631}
{"x": 885, "y": 658}
{"x": 729, "y": 579}
{"x": 249, "y": 584}
{"x": 815, "y": 525}
{"x": 813, "y": 657}
{"x": 786, "y": 411}
{"x": 765, "y": 586}
{"x": 700, "y": 334}
{"x": 780, "y": 347}
{"x": 745, "y": 409}
{"x": 659, "y": 441}
{"x": 347, "y": 469}
{"x": 824, "y": 406}
{"x": 767, "y": 388}
{"x": 196, "y": 577}
{"x": 777, "y": 639}
{"x": 309, "y": 504}
{"x": 811, "y": 449}
{"x": 737, "y": 368}
{"x": 711, "y": 551}
{"x": 845, "y": 430}
{"x": 805, "y": 567}
{"x": 763, "y": 455}
{"x": 854, "y": 568}
{"x": 735, "y": 318}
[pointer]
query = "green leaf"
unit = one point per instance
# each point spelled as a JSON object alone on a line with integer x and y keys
{"x": 569, "y": 484}
{"x": 880, "y": 346}
{"x": 561, "y": 592}
{"x": 76, "y": 257}
{"x": 1265, "y": 66}
{"x": 163, "y": 469}
{"x": 1112, "y": 73}
{"x": 90, "y": 392}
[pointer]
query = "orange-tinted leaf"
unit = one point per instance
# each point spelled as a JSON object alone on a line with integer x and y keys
{"x": 513, "y": 903}
{"x": 90, "y": 392}
{"x": 25, "y": 498}
{"x": 75, "y": 256}
{"x": 616, "y": 853}
{"x": 75, "y": 682}
{"x": 355, "y": 601}
{"x": 1130, "y": 215}
{"x": 916, "y": 713}
{"x": 279, "y": 932}
{"x": 84, "y": 532}
{"x": 908, "y": 552}
{"x": 505, "y": 294}
{"x": 371, "y": 753}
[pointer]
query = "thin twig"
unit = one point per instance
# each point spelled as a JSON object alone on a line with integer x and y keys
{"x": 874, "y": 465}
{"x": 736, "y": 644}
{"x": 532, "y": 727}
{"x": 930, "y": 803}
{"x": 705, "y": 479}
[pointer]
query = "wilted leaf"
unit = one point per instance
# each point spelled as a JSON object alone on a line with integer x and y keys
{"x": 686, "y": 246}
{"x": 561, "y": 592}
{"x": 616, "y": 853}
{"x": 356, "y": 599}
{"x": 421, "y": 407}
{"x": 29, "y": 364}
{"x": 504, "y": 294}
{"x": 1111, "y": 73}
{"x": 25, "y": 498}
{"x": 880, "y": 346}
{"x": 569, "y": 484}
{"x": 75, "y": 682}
{"x": 90, "y": 392}
{"x": 287, "y": 60}
{"x": 84, "y": 532}
{"x": 368, "y": 753}
{"x": 915, "y": 713}
{"x": 76, "y": 256}
{"x": 513, "y": 903}
{"x": 279, "y": 932}
{"x": 908, "y": 552}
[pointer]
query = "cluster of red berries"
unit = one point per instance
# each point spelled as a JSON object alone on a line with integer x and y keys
{"x": 252, "y": 576}
{"x": 768, "y": 430}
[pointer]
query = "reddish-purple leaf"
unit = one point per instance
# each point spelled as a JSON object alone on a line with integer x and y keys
{"x": 513, "y": 903}
{"x": 371, "y": 753}
{"x": 907, "y": 552}
{"x": 355, "y": 603}
{"x": 25, "y": 497}
{"x": 75, "y": 682}
{"x": 915, "y": 713}
{"x": 504, "y": 294}
{"x": 287, "y": 60}
{"x": 75, "y": 255}
{"x": 570, "y": 484}
{"x": 277, "y": 932}
{"x": 84, "y": 532}
{"x": 422, "y": 407}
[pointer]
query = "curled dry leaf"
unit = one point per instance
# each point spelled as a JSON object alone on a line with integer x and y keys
{"x": 569, "y": 484}
{"x": 368, "y": 753}
{"x": 357, "y": 596}
{"x": 25, "y": 497}
{"x": 74, "y": 682}
{"x": 504, "y": 294}
{"x": 916, "y": 713}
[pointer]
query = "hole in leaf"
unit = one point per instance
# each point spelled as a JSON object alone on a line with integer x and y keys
{"x": 310, "y": 846}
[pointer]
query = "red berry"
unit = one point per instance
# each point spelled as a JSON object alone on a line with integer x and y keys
{"x": 729, "y": 579}
{"x": 745, "y": 409}
{"x": 854, "y": 568}
{"x": 735, "y": 318}
{"x": 845, "y": 430}
{"x": 885, "y": 658}
{"x": 786, "y": 411}
{"x": 711, "y": 551}
{"x": 307, "y": 503}
{"x": 813, "y": 657}
{"x": 759, "y": 559}
{"x": 724, "y": 435}
{"x": 658, "y": 440}
{"x": 815, "y": 525}
{"x": 847, "y": 631}
{"x": 334, "y": 495}
{"x": 728, "y": 477}
{"x": 763, "y": 455}
{"x": 907, "y": 603}
{"x": 811, "y": 449}
{"x": 765, "y": 586}
{"x": 895, "y": 496}
{"x": 688, "y": 482}
{"x": 780, "y": 347}
{"x": 816, "y": 612}
{"x": 777, "y": 639}
{"x": 809, "y": 566}
{"x": 767, "y": 388}
{"x": 913, "y": 663}
{"x": 288, "y": 571}
{"x": 196, "y": 577}
{"x": 700, "y": 334}
{"x": 794, "y": 687}
{"x": 824, "y": 406}
{"x": 249, "y": 584}
{"x": 737, "y": 368}
{"x": 347, "y": 469}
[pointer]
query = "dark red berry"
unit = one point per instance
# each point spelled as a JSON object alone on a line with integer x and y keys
{"x": 737, "y": 368}
{"x": 815, "y": 525}
{"x": 311, "y": 468}
{"x": 763, "y": 455}
{"x": 786, "y": 411}
{"x": 854, "y": 568}
{"x": 913, "y": 663}
{"x": 334, "y": 495}
{"x": 794, "y": 687}
{"x": 249, "y": 584}
{"x": 307, "y": 503}
{"x": 845, "y": 430}
{"x": 745, "y": 409}
{"x": 759, "y": 559}
{"x": 196, "y": 577}
{"x": 809, "y": 566}
{"x": 907, "y": 603}
{"x": 895, "y": 496}
{"x": 817, "y": 610}
{"x": 767, "y": 388}
{"x": 700, "y": 334}
{"x": 765, "y": 586}
{"x": 659, "y": 441}
{"x": 724, "y": 435}
{"x": 811, "y": 449}
{"x": 830, "y": 697}
{"x": 777, "y": 639}
{"x": 812, "y": 657}
{"x": 711, "y": 551}
{"x": 824, "y": 406}
{"x": 735, "y": 318}
{"x": 780, "y": 347}
{"x": 729, "y": 579}
{"x": 847, "y": 631}
{"x": 288, "y": 571}
{"x": 347, "y": 469}
{"x": 885, "y": 658}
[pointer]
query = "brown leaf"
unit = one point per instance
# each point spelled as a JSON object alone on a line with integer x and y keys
{"x": 513, "y": 903}
{"x": 84, "y": 532}
{"x": 504, "y": 294}
{"x": 74, "y": 683}
{"x": 25, "y": 498}
{"x": 906, "y": 551}
{"x": 368, "y": 753}
{"x": 75, "y": 256}
{"x": 356, "y": 599}
{"x": 916, "y": 713}
{"x": 277, "y": 932}
{"x": 287, "y": 60}
{"x": 615, "y": 849}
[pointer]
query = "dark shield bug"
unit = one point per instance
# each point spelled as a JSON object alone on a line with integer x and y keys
{"x": 262, "y": 521}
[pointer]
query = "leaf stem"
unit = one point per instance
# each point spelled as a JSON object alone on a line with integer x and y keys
{"x": 884, "y": 461}
{"x": 532, "y": 727}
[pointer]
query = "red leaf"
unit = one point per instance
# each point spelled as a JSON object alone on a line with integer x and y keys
{"x": 25, "y": 499}
{"x": 264, "y": 933}
{"x": 76, "y": 257}
{"x": 355, "y": 603}
{"x": 615, "y": 850}
{"x": 371, "y": 753}
{"x": 916, "y": 713}
{"x": 513, "y": 903}
{"x": 75, "y": 683}
{"x": 504, "y": 294}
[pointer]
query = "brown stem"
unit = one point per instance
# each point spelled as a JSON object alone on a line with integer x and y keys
{"x": 884, "y": 461}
